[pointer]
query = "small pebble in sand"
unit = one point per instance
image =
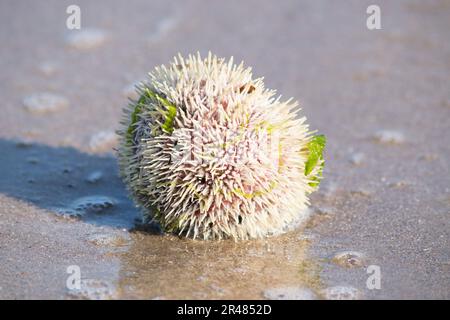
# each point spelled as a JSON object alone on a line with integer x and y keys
{"x": 399, "y": 184}
{"x": 103, "y": 141}
{"x": 94, "y": 177}
{"x": 68, "y": 213}
{"x": 93, "y": 289}
{"x": 361, "y": 192}
{"x": 389, "y": 137}
{"x": 95, "y": 204}
{"x": 357, "y": 158}
{"x": 48, "y": 68}
{"x": 323, "y": 211}
{"x": 290, "y": 293}
{"x": 45, "y": 102}
{"x": 340, "y": 293}
{"x": 349, "y": 259}
{"x": 85, "y": 39}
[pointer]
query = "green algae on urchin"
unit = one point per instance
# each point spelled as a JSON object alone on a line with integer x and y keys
{"x": 208, "y": 152}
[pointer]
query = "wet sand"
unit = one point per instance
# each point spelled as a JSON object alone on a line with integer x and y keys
{"x": 381, "y": 97}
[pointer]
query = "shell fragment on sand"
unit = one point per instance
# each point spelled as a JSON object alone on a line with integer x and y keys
{"x": 389, "y": 137}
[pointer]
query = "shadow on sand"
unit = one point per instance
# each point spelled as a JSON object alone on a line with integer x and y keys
{"x": 54, "y": 177}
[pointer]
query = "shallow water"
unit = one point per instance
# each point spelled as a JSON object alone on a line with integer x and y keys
{"x": 172, "y": 268}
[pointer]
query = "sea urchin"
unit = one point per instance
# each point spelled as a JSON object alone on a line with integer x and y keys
{"x": 208, "y": 152}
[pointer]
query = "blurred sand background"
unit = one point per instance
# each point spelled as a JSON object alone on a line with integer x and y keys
{"x": 381, "y": 97}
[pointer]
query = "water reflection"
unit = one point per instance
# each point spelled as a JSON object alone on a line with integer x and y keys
{"x": 173, "y": 268}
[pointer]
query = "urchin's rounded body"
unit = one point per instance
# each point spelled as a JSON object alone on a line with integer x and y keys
{"x": 208, "y": 152}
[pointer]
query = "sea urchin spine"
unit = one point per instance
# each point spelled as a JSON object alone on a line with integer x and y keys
{"x": 208, "y": 152}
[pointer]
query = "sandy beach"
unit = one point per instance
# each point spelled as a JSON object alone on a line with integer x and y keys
{"x": 380, "y": 96}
